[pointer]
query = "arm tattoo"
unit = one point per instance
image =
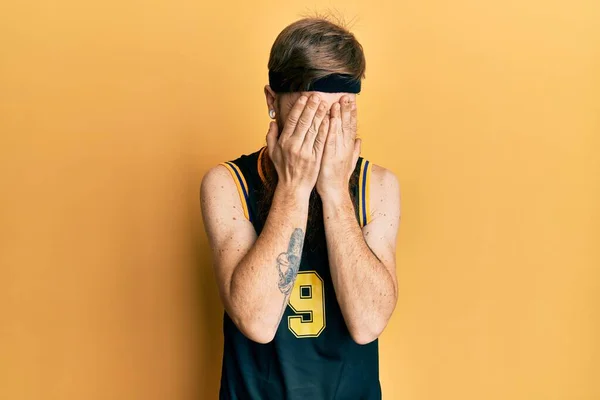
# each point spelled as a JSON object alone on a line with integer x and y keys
{"x": 288, "y": 262}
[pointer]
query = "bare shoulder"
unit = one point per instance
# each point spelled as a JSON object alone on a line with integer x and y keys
{"x": 382, "y": 230}
{"x": 216, "y": 177}
{"x": 219, "y": 198}
{"x": 384, "y": 191}
{"x": 384, "y": 176}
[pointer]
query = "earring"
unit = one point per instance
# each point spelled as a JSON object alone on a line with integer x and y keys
{"x": 272, "y": 114}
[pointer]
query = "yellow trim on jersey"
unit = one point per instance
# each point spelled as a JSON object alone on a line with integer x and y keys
{"x": 260, "y": 171}
{"x": 368, "y": 193}
{"x": 364, "y": 196}
{"x": 238, "y": 183}
{"x": 360, "y": 193}
{"x": 239, "y": 171}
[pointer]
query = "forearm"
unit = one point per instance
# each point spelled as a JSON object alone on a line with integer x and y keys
{"x": 364, "y": 287}
{"x": 261, "y": 283}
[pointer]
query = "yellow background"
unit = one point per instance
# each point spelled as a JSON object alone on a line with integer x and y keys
{"x": 111, "y": 112}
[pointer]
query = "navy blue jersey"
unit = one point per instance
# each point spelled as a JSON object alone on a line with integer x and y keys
{"x": 312, "y": 356}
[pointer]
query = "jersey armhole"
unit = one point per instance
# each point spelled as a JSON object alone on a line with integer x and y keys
{"x": 240, "y": 183}
{"x": 364, "y": 183}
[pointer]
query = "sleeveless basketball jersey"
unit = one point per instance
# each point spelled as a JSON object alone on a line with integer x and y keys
{"x": 312, "y": 356}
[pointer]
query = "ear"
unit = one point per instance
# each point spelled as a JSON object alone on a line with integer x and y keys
{"x": 270, "y": 96}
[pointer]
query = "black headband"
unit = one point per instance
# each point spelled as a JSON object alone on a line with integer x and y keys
{"x": 334, "y": 83}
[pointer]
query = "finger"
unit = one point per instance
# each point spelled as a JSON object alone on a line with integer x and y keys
{"x": 346, "y": 114}
{"x": 272, "y": 138}
{"x": 334, "y": 125}
{"x": 293, "y": 117}
{"x": 317, "y": 121}
{"x": 319, "y": 143}
{"x": 335, "y": 110}
{"x": 306, "y": 118}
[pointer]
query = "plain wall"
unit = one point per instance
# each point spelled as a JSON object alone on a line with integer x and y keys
{"x": 112, "y": 111}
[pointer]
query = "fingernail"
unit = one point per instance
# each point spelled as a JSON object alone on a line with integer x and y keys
{"x": 314, "y": 98}
{"x": 302, "y": 99}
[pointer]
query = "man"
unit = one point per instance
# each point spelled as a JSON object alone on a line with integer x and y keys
{"x": 303, "y": 233}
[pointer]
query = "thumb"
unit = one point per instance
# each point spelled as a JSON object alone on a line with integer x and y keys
{"x": 272, "y": 138}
